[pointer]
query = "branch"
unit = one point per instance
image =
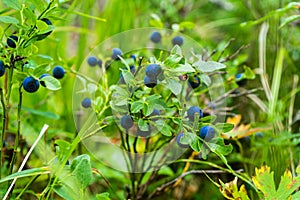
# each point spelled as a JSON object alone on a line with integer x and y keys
{"x": 168, "y": 184}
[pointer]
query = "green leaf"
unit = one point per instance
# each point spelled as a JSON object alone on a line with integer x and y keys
{"x": 218, "y": 146}
{"x": 186, "y": 68}
{"x": 248, "y": 74}
{"x": 196, "y": 144}
{"x": 208, "y": 66}
{"x": 26, "y": 173}
{"x": 82, "y": 170}
{"x": 205, "y": 79}
{"x": 224, "y": 127}
{"x": 62, "y": 149}
{"x": 289, "y": 19}
{"x": 128, "y": 77}
{"x": 176, "y": 50}
{"x": 208, "y": 119}
{"x": 46, "y": 114}
{"x": 51, "y": 83}
{"x": 143, "y": 125}
{"x": 136, "y": 107}
{"x": 164, "y": 128}
{"x": 166, "y": 170}
{"x": 103, "y": 196}
{"x": 15, "y": 4}
{"x": 187, "y": 25}
{"x": 9, "y": 20}
{"x": 174, "y": 86}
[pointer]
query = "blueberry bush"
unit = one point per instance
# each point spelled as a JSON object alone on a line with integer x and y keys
{"x": 149, "y": 99}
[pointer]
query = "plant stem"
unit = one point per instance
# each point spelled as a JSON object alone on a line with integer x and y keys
{"x": 27, "y": 185}
{"x": 3, "y": 128}
{"x": 17, "y": 138}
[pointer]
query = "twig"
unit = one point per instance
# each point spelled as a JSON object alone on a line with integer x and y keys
{"x": 168, "y": 184}
{"x": 234, "y": 54}
{"x": 226, "y": 46}
{"x": 44, "y": 129}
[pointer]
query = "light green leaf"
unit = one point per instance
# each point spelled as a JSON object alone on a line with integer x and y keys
{"x": 143, "y": 125}
{"x": 46, "y": 114}
{"x": 186, "y": 68}
{"x": 208, "y": 66}
{"x": 249, "y": 74}
{"x": 205, "y": 79}
{"x": 174, "y": 86}
{"x": 9, "y": 20}
{"x": 187, "y": 25}
{"x": 26, "y": 173}
{"x": 289, "y": 19}
{"x": 176, "y": 50}
{"x": 51, "y": 83}
{"x": 15, "y": 4}
{"x": 224, "y": 127}
{"x": 103, "y": 196}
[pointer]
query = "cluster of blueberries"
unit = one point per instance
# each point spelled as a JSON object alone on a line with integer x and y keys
{"x": 156, "y": 38}
{"x": 30, "y": 84}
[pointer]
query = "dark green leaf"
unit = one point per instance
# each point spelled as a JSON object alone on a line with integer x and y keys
{"x": 224, "y": 127}
{"x": 82, "y": 170}
{"x": 136, "y": 106}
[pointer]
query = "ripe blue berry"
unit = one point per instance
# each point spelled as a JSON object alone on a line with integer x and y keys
{"x": 92, "y": 61}
{"x": 177, "y": 40}
{"x": 100, "y": 63}
{"x": 126, "y": 122}
{"x": 115, "y": 53}
{"x": 150, "y": 82}
{"x": 207, "y": 132}
{"x": 192, "y": 111}
{"x": 194, "y": 82}
{"x": 30, "y": 84}
{"x": 155, "y": 37}
{"x": 239, "y": 79}
{"x": 58, "y": 72}
{"x": 86, "y": 102}
{"x": 44, "y": 35}
{"x": 2, "y": 68}
{"x": 41, "y": 81}
{"x": 133, "y": 57}
{"x": 178, "y": 138}
{"x": 153, "y": 70}
{"x": 132, "y": 69}
{"x": 11, "y": 41}
{"x": 144, "y": 133}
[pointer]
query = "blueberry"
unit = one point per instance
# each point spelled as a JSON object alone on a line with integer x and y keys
{"x": 44, "y": 35}
{"x": 92, "y": 61}
{"x": 239, "y": 79}
{"x": 126, "y": 122}
{"x": 100, "y": 63}
{"x": 259, "y": 135}
{"x": 133, "y": 57}
{"x": 194, "y": 82}
{"x": 178, "y": 138}
{"x": 2, "y": 68}
{"x": 30, "y": 84}
{"x": 207, "y": 132}
{"x": 177, "y": 40}
{"x": 153, "y": 70}
{"x": 115, "y": 53}
{"x": 41, "y": 81}
{"x": 150, "y": 82}
{"x": 192, "y": 111}
{"x": 155, "y": 37}
{"x": 58, "y": 72}
{"x": 155, "y": 113}
{"x": 144, "y": 133}
{"x": 11, "y": 41}
{"x": 132, "y": 69}
{"x": 86, "y": 102}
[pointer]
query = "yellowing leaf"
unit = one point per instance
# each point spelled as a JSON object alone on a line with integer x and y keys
{"x": 231, "y": 191}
